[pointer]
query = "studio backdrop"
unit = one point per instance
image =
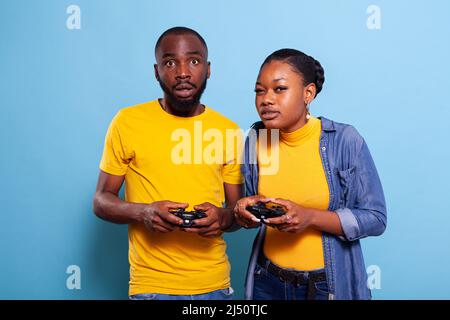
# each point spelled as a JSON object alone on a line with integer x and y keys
{"x": 66, "y": 68}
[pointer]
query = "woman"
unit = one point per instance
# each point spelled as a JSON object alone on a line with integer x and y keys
{"x": 326, "y": 181}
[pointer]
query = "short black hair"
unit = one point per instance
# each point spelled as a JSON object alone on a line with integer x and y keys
{"x": 305, "y": 65}
{"x": 180, "y": 31}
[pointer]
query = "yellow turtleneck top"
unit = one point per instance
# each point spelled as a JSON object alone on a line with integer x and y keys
{"x": 300, "y": 179}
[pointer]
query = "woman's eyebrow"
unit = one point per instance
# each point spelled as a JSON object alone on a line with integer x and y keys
{"x": 274, "y": 80}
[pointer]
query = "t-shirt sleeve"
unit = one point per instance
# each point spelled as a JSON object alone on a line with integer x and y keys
{"x": 116, "y": 153}
{"x": 231, "y": 171}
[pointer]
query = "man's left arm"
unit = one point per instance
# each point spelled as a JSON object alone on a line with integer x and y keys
{"x": 233, "y": 192}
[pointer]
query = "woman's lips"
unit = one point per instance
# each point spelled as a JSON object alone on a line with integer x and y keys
{"x": 269, "y": 115}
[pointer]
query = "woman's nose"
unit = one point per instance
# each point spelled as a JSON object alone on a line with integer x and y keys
{"x": 267, "y": 99}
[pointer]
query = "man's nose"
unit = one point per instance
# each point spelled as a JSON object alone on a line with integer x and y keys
{"x": 183, "y": 72}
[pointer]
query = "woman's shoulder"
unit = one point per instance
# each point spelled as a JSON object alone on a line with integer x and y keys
{"x": 344, "y": 134}
{"x": 257, "y": 125}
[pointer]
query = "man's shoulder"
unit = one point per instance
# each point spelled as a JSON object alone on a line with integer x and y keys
{"x": 129, "y": 115}
{"x": 138, "y": 109}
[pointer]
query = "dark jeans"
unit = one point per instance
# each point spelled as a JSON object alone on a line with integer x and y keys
{"x": 222, "y": 294}
{"x": 269, "y": 287}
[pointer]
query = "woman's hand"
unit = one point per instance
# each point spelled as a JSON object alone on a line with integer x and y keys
{"x": 296, "y": 220}
{"x": 245, "y": 218}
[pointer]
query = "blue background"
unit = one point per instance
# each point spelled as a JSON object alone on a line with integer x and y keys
{"x": 60, "y": 88}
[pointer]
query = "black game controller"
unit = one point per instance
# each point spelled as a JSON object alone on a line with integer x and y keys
{"x": 266, "y": 210}
{"x": 188, "y": 216}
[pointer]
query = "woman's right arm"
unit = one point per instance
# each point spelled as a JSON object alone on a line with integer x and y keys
{"x": 368, "y": 216}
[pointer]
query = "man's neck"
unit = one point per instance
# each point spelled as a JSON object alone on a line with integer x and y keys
{"x": 194, "y": 111}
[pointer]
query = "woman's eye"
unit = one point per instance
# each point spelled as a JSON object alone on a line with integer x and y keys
{"x": 258, "y": 90}
{"x": 170, "y": 63}
{"x": 279, "y": 89}
{"x": 195, "y": 61}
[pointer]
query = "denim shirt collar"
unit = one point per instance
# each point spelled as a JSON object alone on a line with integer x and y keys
{"x": 327, "y": 125}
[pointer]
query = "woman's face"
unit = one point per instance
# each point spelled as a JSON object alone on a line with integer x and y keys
{"x": 280, "y": 97}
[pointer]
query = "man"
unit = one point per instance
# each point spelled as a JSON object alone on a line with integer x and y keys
{"x": 143, "y": 148}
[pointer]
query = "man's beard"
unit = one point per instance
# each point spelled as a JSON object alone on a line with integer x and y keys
{"x": 182, "y": 107}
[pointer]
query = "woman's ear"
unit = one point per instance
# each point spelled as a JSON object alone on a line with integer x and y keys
{"x": 310, "y": 93}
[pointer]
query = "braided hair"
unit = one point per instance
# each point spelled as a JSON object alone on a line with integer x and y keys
{"x": 309, "y": 68}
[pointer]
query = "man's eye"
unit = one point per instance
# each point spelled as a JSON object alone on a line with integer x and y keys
{"x": 195, "y": 61}
{"x": 170, "y": 63}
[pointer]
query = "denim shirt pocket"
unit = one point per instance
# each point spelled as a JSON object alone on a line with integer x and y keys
{"x": 347, "y": 186}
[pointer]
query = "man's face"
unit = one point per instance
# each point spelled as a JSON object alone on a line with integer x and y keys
{"x": 182, "y": 70}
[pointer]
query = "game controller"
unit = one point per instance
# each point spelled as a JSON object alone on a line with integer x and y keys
{"x": 188, "y": 216}
{"x": 266, "y": 210}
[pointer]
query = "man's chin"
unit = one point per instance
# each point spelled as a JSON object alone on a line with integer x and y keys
{"x": 183, "y": 105}
{"x": 183, "y": 100}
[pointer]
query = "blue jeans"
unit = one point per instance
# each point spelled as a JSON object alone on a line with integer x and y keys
{"x": 222, "y": 294}
{"x": 267, "y": 286}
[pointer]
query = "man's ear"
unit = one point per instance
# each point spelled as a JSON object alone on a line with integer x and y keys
{"x": 209, "y": 70}
{"x": 155, "y": 66}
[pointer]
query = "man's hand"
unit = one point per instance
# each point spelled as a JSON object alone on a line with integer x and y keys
{"x": 156, "y": 216}
{"x": 214, "y": 224}
{"x": 245, "y": 218}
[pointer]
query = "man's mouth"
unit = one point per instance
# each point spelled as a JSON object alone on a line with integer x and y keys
{"x": 184, "y": 90}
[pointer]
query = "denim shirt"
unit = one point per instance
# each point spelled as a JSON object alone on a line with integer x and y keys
{"x": 356, "y": 195}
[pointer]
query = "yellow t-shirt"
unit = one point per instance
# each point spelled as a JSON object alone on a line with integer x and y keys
{"x": 164, "y": 157}
{"x": 301, "y": 179}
